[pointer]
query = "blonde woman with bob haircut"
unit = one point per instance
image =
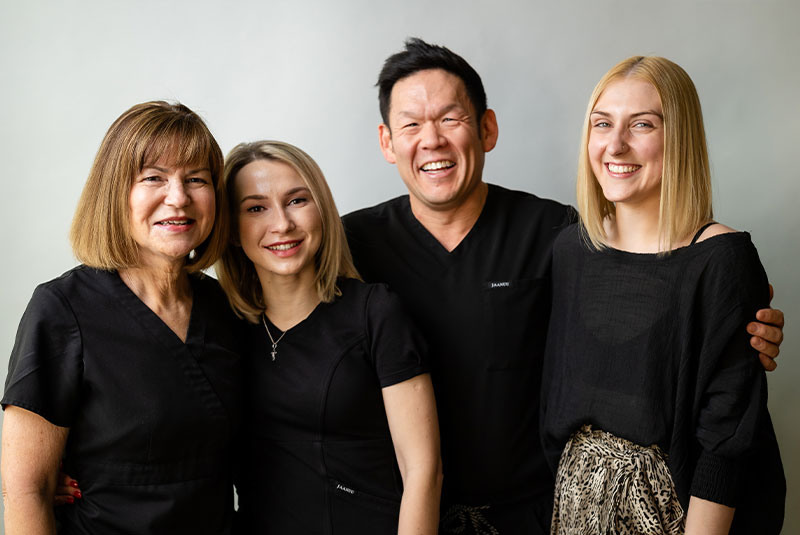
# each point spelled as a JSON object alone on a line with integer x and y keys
{"x": 341, "y": 434}
{"x": 126, "y": 368}
{"x": 654, "y": 407}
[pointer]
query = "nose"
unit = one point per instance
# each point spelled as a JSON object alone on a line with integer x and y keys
{"x": 176, "y": 193}
{"x": 281, "y": 221}
{"x": 618, "y": 142}
{"x": 430, "y": 137}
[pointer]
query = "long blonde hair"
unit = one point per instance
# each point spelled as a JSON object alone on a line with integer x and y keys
{"x": 236, "y": 272}
{"x": 686, "y": 178}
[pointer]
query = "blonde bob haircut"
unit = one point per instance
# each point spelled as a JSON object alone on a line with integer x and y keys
{"x": 686, "y": 179}
{"x": 100, "y": 233}
{"x": 236, "y": 272}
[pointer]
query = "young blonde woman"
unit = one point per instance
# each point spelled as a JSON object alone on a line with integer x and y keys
{"x": 340, "y": 432}
{"x": 654, "y": 404}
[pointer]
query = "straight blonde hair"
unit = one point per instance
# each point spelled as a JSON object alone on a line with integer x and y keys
{"x": 686, "y": 179}
{"x": 100, "y": 232}
{"x": 236, "y": 272}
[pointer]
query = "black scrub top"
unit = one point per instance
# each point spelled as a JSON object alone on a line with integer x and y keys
{"x": 318, "y": 456}
{"x": 151, "y": 418}
{"x": 483, "y": 308}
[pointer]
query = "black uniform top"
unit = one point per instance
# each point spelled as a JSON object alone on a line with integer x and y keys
{"x": 483, "y": 309}
{"x": 318, "y": 455}
{"x": 654, "y": 349}
{"x": 151, "y": 418}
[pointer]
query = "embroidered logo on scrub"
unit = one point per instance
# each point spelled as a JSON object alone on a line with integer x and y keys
{"x": 497, "y": 284}
{"x": 341, "y": 487}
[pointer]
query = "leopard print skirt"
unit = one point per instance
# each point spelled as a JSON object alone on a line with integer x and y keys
{"x": 608, "y": 485}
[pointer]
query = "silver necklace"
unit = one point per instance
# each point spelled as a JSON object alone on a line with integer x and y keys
{"x": 274, "y": 351}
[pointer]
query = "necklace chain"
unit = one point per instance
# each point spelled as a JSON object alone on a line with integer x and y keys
{"x": 274, "y": 351}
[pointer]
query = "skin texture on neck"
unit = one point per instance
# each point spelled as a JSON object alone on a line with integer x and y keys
{"x": 165, "y": 290}
{"x": 289, "y": 299}
{"x": 450, "y": 226}
{"x": 634, "y": 228}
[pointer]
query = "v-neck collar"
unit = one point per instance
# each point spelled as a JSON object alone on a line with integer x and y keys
{"x": 153, "y": 324}
{"x": 430, "y": 240}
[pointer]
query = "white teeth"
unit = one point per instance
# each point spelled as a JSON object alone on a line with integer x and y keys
{"x": 282, "y": 246}
{"x": 435, "y": 166}
{"x": 614, "y": 168}
{"x": 171, "y": 222}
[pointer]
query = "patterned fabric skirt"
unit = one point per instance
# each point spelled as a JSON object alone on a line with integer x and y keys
{"x": 608, "y": 485}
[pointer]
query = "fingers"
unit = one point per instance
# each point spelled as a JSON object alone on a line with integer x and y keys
{"x": 770, "y": 334}
{"x": 771, "y": 293}
{"x": 765, "y": 347}
{"x": 767, "y": 362}
{"x": 773, "y": 316}
{"x": 67, "y": 490}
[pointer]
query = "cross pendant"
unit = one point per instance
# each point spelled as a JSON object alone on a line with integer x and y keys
{"x": 274, "y": 352}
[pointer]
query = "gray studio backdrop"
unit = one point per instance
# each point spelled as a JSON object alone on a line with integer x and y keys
{"x": 303, "y": 71}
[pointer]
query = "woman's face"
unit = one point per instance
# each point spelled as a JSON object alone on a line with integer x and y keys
{"x": 626, "y": 142}
{"x": 172, "y": 210}
{"x": 279, "y": 225}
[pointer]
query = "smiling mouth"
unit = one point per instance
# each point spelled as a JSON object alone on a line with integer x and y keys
{"x": 284, "y": 246}
{"x": 438, "y": 166}
{"x": 177, "y": 222}
{"x": 622, "y": 169}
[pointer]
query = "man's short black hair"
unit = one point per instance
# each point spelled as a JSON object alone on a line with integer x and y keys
{"x": 420, "y": 56}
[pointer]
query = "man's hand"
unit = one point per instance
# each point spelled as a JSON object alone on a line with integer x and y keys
{"x": 767, "y": 334}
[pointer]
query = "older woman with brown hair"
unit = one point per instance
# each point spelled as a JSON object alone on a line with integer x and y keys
{"x": 118, "y": 368}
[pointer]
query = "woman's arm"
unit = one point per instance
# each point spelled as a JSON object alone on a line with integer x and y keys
{"x": 411, "y": 411}
{"x": 708, "y": 518}
{"x": 32, "y": 451}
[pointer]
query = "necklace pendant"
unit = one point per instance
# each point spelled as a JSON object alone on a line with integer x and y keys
{"x": 274, "y": 351}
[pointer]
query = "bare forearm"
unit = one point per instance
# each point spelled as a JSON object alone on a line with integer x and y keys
{"x": 29, "y": 513}
{"x": 419, "y": 508}
{"x": 708, "y": 518}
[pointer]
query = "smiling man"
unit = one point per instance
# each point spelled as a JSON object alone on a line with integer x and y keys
{"x": 471, "y": 261}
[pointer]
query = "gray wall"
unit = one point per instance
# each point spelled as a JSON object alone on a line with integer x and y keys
{"x": 304, "y": 72}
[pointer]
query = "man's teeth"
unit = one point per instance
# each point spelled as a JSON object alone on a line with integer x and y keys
{"x": 614, "y": 168}
{"x": 171, "y": 222}
{"x": 282, "y": 246}
{"x": 435, "y": 166}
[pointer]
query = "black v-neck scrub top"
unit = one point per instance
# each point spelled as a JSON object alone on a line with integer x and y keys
{"x": 483, "y": 308}
{"x": 318, "y": 457}
{"x": 151, "y": 418}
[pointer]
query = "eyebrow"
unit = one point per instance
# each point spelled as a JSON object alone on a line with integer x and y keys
{"x": 164, "y": 170}
{"x": 441, "y": 111}
{"x": 259, "y": 197}
{"x": 637, "y": 114}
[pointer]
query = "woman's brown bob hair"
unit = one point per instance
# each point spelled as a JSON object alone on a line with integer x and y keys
{"x": 236, "y": 272}
{"x": 141, "y": 136}
{"x": 685, "y": 179}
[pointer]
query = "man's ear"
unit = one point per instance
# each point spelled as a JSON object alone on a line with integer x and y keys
{"x": 489, "y": 131}
{"x": 385, "y": 139}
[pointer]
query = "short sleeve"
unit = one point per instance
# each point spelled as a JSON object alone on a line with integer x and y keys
{"x": 46, "y": 366}
{"x": 732, "y": 389}
{"x": 398, "y": 349}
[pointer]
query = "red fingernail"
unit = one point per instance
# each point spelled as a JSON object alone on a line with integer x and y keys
{"x": 73, "y": 483}
{"x": 77, "y": 494}
{"x": 70, "y": 499}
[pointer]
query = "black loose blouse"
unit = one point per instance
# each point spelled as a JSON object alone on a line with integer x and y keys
{"x": 654, "y": 349}
{"x": 151, "y": 418}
